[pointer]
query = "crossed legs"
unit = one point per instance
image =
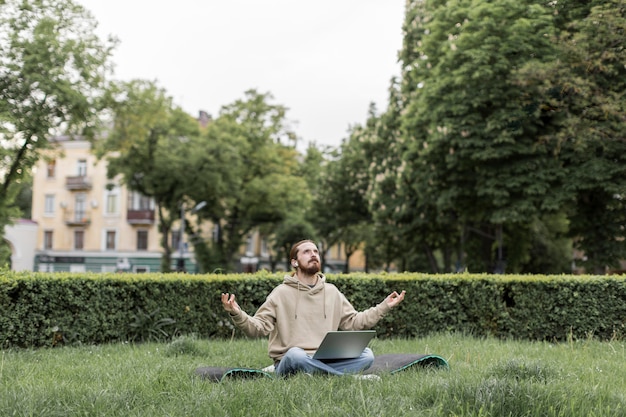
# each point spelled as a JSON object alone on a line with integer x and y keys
{"x": 297, "y": 360}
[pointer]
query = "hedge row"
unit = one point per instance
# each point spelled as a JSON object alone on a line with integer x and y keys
{"x": 39, "y": 309}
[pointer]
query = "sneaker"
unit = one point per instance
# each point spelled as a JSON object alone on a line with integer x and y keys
{"x": 371, "y": 377}
{"x": 268, "y": 369}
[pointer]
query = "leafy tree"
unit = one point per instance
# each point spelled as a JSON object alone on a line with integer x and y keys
{"x": 23, "y": 203}
{"x": 52, "y": 75}
{"x": 292, "y": 229}
{"x": 472, "y": 154}
{"x": 313, "y": 169}
{"x": 541, "y": 247}
{"x": 341, "y": 204}
{"x": 298, "y": 224}
{"x": 255, "y": 172}
{"x": 582, "y": 103}
{"x": 384, "y": 147}
{"x": 24, "y": 198}
{"x": 149, "y": 147}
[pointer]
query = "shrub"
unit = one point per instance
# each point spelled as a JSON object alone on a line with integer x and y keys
{"x": 38, "y": 309}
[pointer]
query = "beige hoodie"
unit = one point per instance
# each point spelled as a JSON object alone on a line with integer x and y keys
{"x": 295, "y": 315}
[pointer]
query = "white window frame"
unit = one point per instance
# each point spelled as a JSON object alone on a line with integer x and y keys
{"x": 48, "y": 207}
{"x": 250, "y": 245}
{"x": 81, "y": 168}
{"x": 112, "y": 198}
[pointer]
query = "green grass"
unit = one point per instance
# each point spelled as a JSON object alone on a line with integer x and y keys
{"x": 487, "y": 377}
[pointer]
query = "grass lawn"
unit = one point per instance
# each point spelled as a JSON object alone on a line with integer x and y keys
{"x": 487, "y": 377}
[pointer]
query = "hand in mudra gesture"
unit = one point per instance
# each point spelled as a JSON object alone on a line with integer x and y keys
{"x": 229, "y": 303}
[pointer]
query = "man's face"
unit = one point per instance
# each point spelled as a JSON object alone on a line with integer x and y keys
{"x": 308, "y": 258}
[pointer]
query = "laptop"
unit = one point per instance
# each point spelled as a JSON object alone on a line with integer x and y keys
{"x": 344, "y": 344}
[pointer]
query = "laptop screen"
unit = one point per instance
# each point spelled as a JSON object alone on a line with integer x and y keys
{"x": 344, "y": 344}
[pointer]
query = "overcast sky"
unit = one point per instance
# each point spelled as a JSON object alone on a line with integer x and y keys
{"x": 325, "y": 60}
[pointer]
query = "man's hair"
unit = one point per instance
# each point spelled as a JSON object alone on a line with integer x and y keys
{"x": 293, "y": 253}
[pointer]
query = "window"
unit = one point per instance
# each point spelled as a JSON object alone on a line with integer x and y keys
{"x": 175, "y": 239}
{"x": 81, "y": 168}
{"x": 250, "y": 245}
{"x": 111, "y": 203}
{"x": 49, "y": 204}
{"x": 51, "y": 169}
{"x": 79, "y": 239}
{"x": 142, "y": 240}
{"x": 137, "y": 201}
{"x": 145, "y": 203}
{"x": 47, "y": 239}
{"x": 80, "y": 207}
{"x": 110, "y": 240}
{"x": 339, "y": 251}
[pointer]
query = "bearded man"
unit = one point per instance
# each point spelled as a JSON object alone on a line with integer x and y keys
{"x": 298, "y": 313}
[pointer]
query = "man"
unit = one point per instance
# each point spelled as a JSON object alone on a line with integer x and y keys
{"x": 298, "y": 313}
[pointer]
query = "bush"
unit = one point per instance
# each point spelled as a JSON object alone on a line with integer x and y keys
{"x": 38, "y": 309}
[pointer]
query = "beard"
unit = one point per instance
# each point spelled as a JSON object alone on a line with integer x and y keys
{"x": 311, "y": 269}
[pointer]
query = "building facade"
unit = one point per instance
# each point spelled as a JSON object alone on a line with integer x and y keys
{"x": 87, "y": 222}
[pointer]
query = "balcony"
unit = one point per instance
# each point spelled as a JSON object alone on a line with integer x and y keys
{"x": 77, "y": 218}
{"x": 140, "y": 216}
{"x": 80, "y": 183}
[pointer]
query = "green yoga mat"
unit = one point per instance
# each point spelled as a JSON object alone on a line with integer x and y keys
{"x": 390, "y": 363}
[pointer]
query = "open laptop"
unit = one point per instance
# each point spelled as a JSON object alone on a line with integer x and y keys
{"x": 344, "y": 344}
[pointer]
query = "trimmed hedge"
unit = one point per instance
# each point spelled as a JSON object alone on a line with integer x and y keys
{"x": 40, "y": 309}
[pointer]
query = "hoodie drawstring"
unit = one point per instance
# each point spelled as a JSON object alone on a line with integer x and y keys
{"x": 297, "y": 300}
{"x": 324, "y": 290}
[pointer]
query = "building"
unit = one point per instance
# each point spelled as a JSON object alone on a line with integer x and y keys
{"x": 87, "y": 222}
{"x": 22, "y": 239}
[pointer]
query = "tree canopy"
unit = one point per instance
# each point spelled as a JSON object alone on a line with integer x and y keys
{"x": 149, "y": 148}
{"x": 53, "y": 74}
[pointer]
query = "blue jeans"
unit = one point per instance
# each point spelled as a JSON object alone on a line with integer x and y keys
{"x": 297, "y": 360}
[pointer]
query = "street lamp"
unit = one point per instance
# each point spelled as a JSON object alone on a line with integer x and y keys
{"x": 180, "y": 266}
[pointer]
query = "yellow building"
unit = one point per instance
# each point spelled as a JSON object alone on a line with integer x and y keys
{"x": 87, "y": 222}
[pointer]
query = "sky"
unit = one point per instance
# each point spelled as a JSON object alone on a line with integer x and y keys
{"x": 325, "y": 60}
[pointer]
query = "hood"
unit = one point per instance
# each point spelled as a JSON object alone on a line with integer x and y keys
{"x": 292, "y": 281}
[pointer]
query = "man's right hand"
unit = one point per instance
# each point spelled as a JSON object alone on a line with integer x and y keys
{"x": 229, "y": 303}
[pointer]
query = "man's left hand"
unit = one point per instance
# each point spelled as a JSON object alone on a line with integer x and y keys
{"x": 394, "y": 298}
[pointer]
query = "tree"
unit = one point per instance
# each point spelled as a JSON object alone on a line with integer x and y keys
{"x": 149, "y": 147}
{"x": 313, "y": 169}
{"x": 342, "y": 210}
{"x": 255, "y": 172}
{"x": 291, "y": 230}
{"x": 53, "y": 72}
{"x": 472, "y": 152}
{"x": 581, "y": 100}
